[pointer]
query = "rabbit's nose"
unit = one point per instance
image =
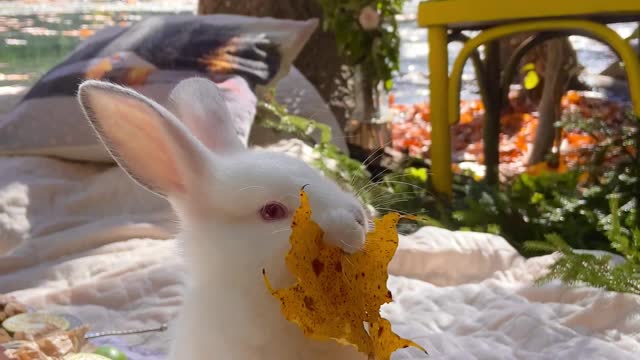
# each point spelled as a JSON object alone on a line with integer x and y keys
{"x": 358, "y": 215}
{"x": 362, "y": 219}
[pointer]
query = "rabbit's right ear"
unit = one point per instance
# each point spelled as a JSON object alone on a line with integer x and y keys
{"x": 146, "y": 140}
{"x": 200, "y": 106}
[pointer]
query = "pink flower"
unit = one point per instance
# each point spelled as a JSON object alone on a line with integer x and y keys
{"x": 369, "y": 18}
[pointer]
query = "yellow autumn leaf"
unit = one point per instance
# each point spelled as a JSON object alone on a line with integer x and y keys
{"x": 337, "y": 293}
{"x": 531, "y": 77}
{"x": 531, "y": 80}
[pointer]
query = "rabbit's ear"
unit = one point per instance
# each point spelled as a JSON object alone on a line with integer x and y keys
{"x": 200, "y": 106}
{"x": 146, "y": 140}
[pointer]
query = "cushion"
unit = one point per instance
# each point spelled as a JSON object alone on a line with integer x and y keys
{"x": 239, "y": 53}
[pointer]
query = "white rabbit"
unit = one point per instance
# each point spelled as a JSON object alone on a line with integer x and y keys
{"x": 235, "y": 208}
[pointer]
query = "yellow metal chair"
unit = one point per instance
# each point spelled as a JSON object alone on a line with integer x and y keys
{"x": 500, "y": 18}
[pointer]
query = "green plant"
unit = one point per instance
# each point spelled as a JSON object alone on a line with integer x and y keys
{"x": 403, "y": 191}
{"x": 577, "y": 268}
{"x": 328, "y": 157}
{"x": 529, "y": 208}
{"x": 275, "y": 116}
{"x": 366, "y": 34}
{"x": 571, "y": 204}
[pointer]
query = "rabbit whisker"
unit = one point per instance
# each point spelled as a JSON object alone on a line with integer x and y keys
{"x": 281, "y": 230}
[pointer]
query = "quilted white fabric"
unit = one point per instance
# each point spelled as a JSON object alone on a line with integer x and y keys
{"x": 85, "y": 240}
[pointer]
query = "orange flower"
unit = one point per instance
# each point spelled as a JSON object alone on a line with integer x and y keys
{"x": 477, "y": 105}
{"x": 573, "y": 97}
{"x": 85, "y": 33}
{"x": 466, "y": 117}
{"x": 579, "y": 139}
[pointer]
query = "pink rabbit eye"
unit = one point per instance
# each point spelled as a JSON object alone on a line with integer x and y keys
{"x": 273, "y": 211}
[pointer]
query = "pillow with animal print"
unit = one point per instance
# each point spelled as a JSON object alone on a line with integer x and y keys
{"x": 239, "y": 53}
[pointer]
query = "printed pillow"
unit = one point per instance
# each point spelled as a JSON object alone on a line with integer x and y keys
{"x": 239, "y": 53}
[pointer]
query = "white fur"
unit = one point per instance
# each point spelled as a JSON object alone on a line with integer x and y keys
{"x": 217, "y": 187}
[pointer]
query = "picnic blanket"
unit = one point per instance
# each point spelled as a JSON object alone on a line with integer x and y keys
{"x": 85, "y": 240}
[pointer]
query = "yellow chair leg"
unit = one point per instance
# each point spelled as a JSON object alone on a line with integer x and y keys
{"x": 441, "y": 176}
{"x": 632, "y": 64}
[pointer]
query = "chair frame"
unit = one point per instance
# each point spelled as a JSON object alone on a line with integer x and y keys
{"x": 553, "y": 18}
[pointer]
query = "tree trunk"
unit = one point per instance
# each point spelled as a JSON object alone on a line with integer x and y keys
{"x": 491, "y": 131}
{"x": 560, "y": 66}
{"x": 319, "y": 60}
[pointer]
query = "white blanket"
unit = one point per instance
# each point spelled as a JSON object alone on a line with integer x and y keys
{"x": 86, "y": 240}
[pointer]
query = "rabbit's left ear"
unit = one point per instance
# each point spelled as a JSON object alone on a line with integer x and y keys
{"x": 200, "y": 106}
{"x": 145, "y": 139}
